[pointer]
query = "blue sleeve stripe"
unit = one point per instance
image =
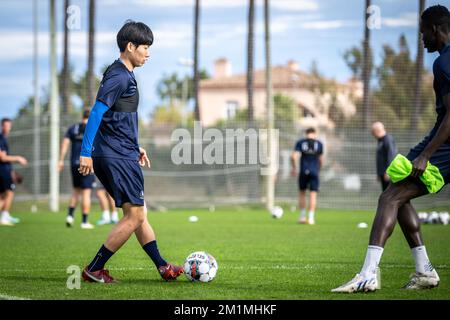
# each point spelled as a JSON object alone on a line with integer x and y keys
{"x": 95, "y": 118}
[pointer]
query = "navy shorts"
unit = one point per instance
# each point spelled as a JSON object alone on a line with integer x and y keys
{"x": 122, "y": 178}
{"x": 6, "y": 182}
{"x": 440, "y": 158}
{"x": 310, "y": 179}
{"x": 82, "y": 182}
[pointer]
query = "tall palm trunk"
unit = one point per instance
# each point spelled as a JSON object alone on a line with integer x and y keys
{"x": 196, "y": 74}
{"x": 366, "y": 68}
{"x": 65, "y": 80}
{"x": 253, "y": 184}
{"x": 250, "y": 58}
{"x": 419, "y": 70}
{"x": 91, "y": 44}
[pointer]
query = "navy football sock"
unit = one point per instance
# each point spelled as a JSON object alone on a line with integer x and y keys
{"x": 85, "y": 217}
{"x": 70, "y": 211}
{"x": 100, "y": 259}
{"x": 152, "y": 250}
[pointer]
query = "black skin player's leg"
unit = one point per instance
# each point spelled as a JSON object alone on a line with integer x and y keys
{"x": 394, "y": 198}
{"x": 410, "y": 223}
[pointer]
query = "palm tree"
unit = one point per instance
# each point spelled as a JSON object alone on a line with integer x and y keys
{"x": 65, "y": 79}
{"x": 90, "y": 70}
{"x": 250, "y": 57}
{"x": 366, "y": 67}
{"x": 419, "y": 71}
{"x": 196, "y": 74}
{"x": 253, "y": 179}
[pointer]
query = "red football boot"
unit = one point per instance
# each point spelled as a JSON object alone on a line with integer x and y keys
{"x": 170, "y": 272}
{"x": 101, "y": 276}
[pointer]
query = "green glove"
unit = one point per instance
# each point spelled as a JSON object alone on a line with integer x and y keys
{"x": 401, "y": 167}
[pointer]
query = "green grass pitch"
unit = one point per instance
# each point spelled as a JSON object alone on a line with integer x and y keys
{"x": 259, "y": 257}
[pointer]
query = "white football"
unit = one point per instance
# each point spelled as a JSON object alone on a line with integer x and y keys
{"x": 200, "y": 266}
{"x": 277, "y": 212}
{"x": 193, "y": 219}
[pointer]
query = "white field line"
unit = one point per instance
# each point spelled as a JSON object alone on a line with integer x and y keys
{"x": 7, "y": 297}
{"x": 282, "y": 267}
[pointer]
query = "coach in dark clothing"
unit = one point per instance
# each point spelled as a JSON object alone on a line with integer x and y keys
{"x": 386, "y": 151}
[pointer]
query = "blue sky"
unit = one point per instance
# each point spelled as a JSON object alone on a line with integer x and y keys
{"x": 303, "y": 30}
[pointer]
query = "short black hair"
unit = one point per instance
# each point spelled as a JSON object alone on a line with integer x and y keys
{"x": 6, "y": 120}
{"x": 86, "y": 113}
{"x": 137, "y": 33}
{"x": 436, "y": 15}
{"x": 310, "y": 130}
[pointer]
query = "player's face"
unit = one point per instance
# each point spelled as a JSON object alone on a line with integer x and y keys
{"x": 6, "y": 127}
{"x": 140, "y": 55}
{"x": 429, "y": 37}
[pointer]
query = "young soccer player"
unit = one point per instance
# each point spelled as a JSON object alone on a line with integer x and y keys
{"x": 110, "y": 149}
{"x": 394, "y": 203}
{"x": 7, "y": 184}
{"x": 82, "y": 185}
{"x": 310, "y": 152}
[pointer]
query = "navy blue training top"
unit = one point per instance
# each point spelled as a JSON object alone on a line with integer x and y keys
{"x": 310, "y": 150}
{"x": 441, "y": 85}
{"x": 75, "y": 134}
{"x": 386, "y": 152}
{"x": 4, "y": 166}
{"x": 117, "y": 136}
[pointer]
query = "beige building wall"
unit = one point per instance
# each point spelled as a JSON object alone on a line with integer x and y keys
{"x": 214, "y": 100}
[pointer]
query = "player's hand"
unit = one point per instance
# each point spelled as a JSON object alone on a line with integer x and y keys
{"x": 22, "y": 161}
{"x": 61, "y": 165}
{"x": 86, "y": 166}
{"x": 294, "y": 173}
{"x": 143, "y": 159}
{"x": 386, "y": 177}
{"x": 419, "y": 166}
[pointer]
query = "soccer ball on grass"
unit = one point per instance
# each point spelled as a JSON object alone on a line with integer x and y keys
{"x": 200, "y": 266}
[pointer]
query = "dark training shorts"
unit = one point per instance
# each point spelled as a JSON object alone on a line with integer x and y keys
{"x": 122, "y": 178}
{"x": 440, "y": 158}
{"x": 310, "y": 179}
{"x": 81, "y": 182}
{"x": 6, "y": 182}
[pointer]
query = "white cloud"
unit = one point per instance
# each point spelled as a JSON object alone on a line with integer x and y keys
{"x": 22, "y": 42}
{"x": 409, "y": 19}
{"x": 328, "y": 24}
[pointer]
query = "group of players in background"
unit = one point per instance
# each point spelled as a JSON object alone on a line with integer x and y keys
{"x": 106, "y": 143}
{"x": 83, "y": 185}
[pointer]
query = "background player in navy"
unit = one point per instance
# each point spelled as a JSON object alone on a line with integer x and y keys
{"x": 386, "y": 152}
{"x": 82, "y": 185}
{"x": 310, "y": 152}
{"x": 110, "y": 149}
{"x": 394, "y": 203}
{"x": 7, "y": 184}
{"x": 109, "y": 210}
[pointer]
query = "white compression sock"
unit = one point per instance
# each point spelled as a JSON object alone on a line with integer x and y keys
{"x": 373, "y": 257}
{"x": 423, "y": 264}
{"x": 105, "y": 215}
{"x": 311, "y": 215}
{"x": 115, "y": 216}
{"x": 302, "y": 213}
